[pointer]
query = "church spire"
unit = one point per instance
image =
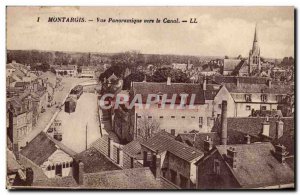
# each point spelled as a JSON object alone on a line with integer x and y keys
{"x": 255, "y": 34}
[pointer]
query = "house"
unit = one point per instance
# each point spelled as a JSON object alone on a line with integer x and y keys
{"x": 17, "y": 174}
{"x": 66, "y": 70}
{"x": 132, "y": 157}
{"x": 229, "y": 65}
{"x": 171, "y": 103}
{"x": 182, "y": 66}
{"x": 48, "y": 155}
{"x": 247, "y": 166}
{"x": 20, "y": 114}
{"x": 171, "y": 159}
{"x": 88, "y": 72}
{"x": 245, "y": 95}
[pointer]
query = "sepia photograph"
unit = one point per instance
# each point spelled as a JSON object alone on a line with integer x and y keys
{"x": 150, "y": 98}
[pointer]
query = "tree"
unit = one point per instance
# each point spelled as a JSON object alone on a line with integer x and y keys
{"x": 133, "y": 77}
{"x": 129, "y": 59}
{"x": 177, "y": 76}
{"x": 226, "y": 57}
{"x": 147, "y": 127}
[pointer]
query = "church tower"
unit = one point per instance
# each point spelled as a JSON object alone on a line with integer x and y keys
{"x": 254, "y": 54}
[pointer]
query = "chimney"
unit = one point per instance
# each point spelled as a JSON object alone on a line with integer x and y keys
{"x": 248, "y": 139}
{"x": 208, "y": 144}
{"x": 266, "y": 127}
{"x": 279, "y": 128}
{"x": 224, "y": 123}
{"x": 280, "y": 153}
{"x": 157, "y": 166}
{"x": 269, "y": 83}
{"x": 80, "y": 173}
{"x": 110, "y": 148}
{"x": 237, "y": 82}
{"x": 169, "y": 81}
{"x": 121, "y": 156}
{"x": 16, "y": 151}
{"x": 29, "y": 176}
{"x": 204, "y": 84}
{"x": 231, "y": 157}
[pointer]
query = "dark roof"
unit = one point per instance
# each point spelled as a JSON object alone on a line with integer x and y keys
{"x": 258, "y": 88}
{"x": 138, "y": 178}
{"x": 145, "y": 88}
{"x": 133, "y": 149}
{"x": 162, "y": 142}
{"x": 253, "y": 125}
{"x": 211, "y": 91}
{"x": 57, "y": 182}
{"x": 21, "y": 84}
{"x": 197, "y": 139}
{"x": 257, "y": 166}
{"x": 288, "y": 140}
{"x": 39, "y": 149}
{"x": 94, "y": 161}
{"x": 241, "y": 79}
{"x": 230, "y": 64}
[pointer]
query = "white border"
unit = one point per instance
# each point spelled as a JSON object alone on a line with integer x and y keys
{"x": 5, "y": 3}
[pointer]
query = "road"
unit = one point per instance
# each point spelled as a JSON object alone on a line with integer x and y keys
{"x": 74, "y": 124}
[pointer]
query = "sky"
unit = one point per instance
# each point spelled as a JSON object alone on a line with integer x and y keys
{"x": 220, "y": 31}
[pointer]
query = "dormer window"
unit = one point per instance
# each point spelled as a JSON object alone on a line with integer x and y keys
{"x": 248, "y": 97}
{"x": 264, "y": 98}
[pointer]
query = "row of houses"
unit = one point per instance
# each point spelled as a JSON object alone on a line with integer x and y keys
{"x": 245, "y": 96}
{"x": 27, "y": 97}
{"x": 73, "y": 71}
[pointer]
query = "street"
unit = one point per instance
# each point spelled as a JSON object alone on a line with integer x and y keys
{"x": 74, "y": 124}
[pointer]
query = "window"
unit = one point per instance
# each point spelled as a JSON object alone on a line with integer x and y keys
{"x": 248, "y": 107}
{"x": 192, "y": 117}
{"x": 172, "y": 131}
{"x": 183, "y": 117}
{"x": 173, "y": 176}
{"x": 161, "y": 117}
{"x": 264, "y": 98}
{"x": 131, "y": 162}
{"x": 263, "y": 108}
{"x": 220, "y": 106}
{"x": 149, "y": 116}
{"x": 200, "y": 122}
{"x": 217, "y": 166}
{"x": 139, "y": 131}
{"x": 248, "y": 98}
{"x": 139, "y": 116}
{"x": 279, "y": 98}
{"x": 183, "y": 182}
{"x": 172, "y": 116}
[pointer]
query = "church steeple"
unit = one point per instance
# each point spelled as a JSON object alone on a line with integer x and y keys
{"x": 254, "y": 54}
{"x": 255, "y": 47}
{"x": 255, "y": 34}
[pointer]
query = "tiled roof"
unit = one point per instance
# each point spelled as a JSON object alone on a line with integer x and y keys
{"x": 162, "y": 142}
{"x": 12, "y": 164}
{"x": 258, "y": 88}
{"x": 197, "y": 140}
{"x": 95, "y": 161}
{"x": 145, "y": 88}
{"x": 233, "y": 79}
{"x": 65, "y": 67}
{"x": 58, "y": 182}
{"x": 39, "y": 149}
{"x": 230, "y": 64}
{"x": 138, "y": 178}
{"x": 133, "y": 149}
{"x": 21, "y": 84}
{"x": 256, "y": 165}
{"x": 211, "y": 91}
{"x": 253, "y": 125}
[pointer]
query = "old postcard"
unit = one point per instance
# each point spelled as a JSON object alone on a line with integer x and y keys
{"x": 159, "y": 98}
